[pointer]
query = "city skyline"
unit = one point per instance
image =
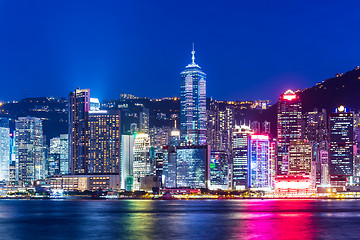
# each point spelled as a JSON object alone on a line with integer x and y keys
{"x": 243, "y": 46}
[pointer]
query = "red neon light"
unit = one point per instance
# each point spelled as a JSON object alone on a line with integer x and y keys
{"x": 259, "y": 137}
{"x": 289, "y": 97}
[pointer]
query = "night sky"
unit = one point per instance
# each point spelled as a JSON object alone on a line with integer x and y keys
{"x": 248, "y": 49}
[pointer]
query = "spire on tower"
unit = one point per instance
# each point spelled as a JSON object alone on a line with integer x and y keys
{"x": 193, "y": 54}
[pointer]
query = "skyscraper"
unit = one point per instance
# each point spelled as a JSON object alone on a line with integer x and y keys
{"x": 289, "y": 124}
{"x": 300, "y": 158}
{"x": 193, "y": 105}
{"x": 259, "y": 162}
{"x": 104, "y": 142}
{"x": 341, "y": 146}
{"x": 29, "y": 149}
{"x": 240, "y": 157}
{"x": 127, "y": 159}
{"x": 79, "y": 107}
{"x": 193, "y": 166}
{"x": 4, "y": 149}
{"x": 141, "y": 163}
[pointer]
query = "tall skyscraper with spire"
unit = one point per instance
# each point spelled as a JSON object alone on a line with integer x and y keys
{"x": 193, "y": 104}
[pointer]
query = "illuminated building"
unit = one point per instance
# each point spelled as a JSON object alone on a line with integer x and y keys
{"x": 144, "y": 120}
{"x": 94, "y": 104}
{"x": 159, "y": 137}
{"x": 341, "y": 146}
{"x": 142, "y": 161}
{"x": 127, "y": 159}
{"x": 324, "y": 161}
{"x": 4, "y": 149}
{"x": 103, "y": 142}
{"x": 193, "y": 105}
{"x": 316, "y": 129}
{"x": 79, "y": 106}
{"x": 300, "y": 158}
{"x": 193, "y": 168}
{"x": 29, "y": 149}
{"x": 53, "y": 164}
{"x": 219, "y": 170}
{"x": 86, "y": 182}
{"x": 64, "y": 154}
{"x": 289, "y": 125}
{"x": 220, "y": 125}
{"x": 289, "y": 185}
{"x": 60, "y": 146}
{"x": 259, "y": 162}
{"x": 170, "y": 168}
{"x": 240, "y": 157}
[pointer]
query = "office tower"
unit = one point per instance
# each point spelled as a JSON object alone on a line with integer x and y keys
{"x": 357, "y": 144}
{"x": 29, "y": 149}
{"x": 142, "y": 161}
{"x": 300, "y": 158}
{"x": 193, "y": 168}
{"x": 256, "y": 127}
{"x": 193, "y": 105}
{"x": 220, "y": 124}
{"x": 265, "y": 127}
{"x": 103, "y": 142}
{"x": 240, "y": 156}
{"x": 64, "y": 154}
{"x": 259, "y": 162}
{"x": 324, "y": 161}
{"x": 159, "y": 136}
{"x": 53, "y": 164}
{"x": 219, "y": 170}
{"x": 160, "y": 160}
{"x": 289, "y": 124}
{"x": 53, "y": 157}
{"x": 341, "y": 146}
{"x": 4, "y": 149}
{"x": 171, "y": 168}
{"x": 144, "y": 120}
{"x": 127, "y": 159}
{"x": 174, "y": 139}
{"x": 316, "y": 130}
{"x": 79, "y": 106}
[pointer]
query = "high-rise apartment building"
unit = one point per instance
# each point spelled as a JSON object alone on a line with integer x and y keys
{"x": 341, "y": 132}
{"x": 289, "y": 125}
{"x": 29, "y": 149}
{"x": 193, "y": 105}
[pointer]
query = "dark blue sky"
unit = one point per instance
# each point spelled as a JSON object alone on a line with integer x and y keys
{"x": 249, "y": 49}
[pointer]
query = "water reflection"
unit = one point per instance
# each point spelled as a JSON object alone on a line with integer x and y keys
{"x": 136, "y": 219}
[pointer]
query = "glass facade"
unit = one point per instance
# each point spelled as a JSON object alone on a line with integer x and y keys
{"x": 259, "y": 166}
{"x": 341, "y": 146}
{"x": 289, "y": 124}
{"x": 240, "y": 156}
{"x": 193, "y": 105}
{"x": 193, "y": 166}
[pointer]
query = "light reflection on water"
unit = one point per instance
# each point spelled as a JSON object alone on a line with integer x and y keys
{"x": 208, "y": 219}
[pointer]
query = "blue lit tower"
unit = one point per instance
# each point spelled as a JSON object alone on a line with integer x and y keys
{"x": 193, "y": 104}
